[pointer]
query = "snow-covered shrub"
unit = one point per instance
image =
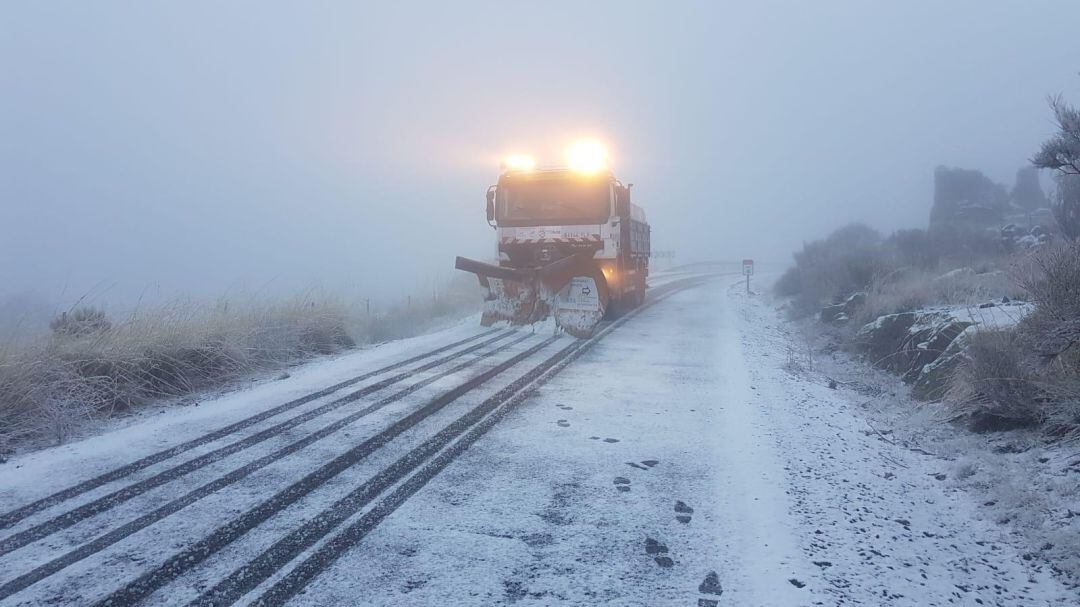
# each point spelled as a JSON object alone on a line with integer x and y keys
{"x": 1051, "y": 333}
{"x": 993, "y": 387}
{"x": 830, "y": 269}
{"x": 912, "y": 248}
{"x": 1066, "y": 205}
{"x": 1061, "y": 153}
{"x": 1051, "y": 276}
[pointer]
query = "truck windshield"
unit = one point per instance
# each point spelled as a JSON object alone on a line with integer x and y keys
{"x": 532, "y": 201}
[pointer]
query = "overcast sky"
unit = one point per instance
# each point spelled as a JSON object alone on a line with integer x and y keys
{"x": 197, "y": 147}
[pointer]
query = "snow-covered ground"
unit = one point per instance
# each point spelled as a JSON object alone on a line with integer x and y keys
{"x": 688, "y": 412}
{"x": 678, "y": 461}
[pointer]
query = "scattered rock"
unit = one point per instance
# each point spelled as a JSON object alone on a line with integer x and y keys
{"x": 796, "y": 583}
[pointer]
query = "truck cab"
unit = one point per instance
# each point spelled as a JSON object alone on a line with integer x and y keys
{"x": 544, "y": 215}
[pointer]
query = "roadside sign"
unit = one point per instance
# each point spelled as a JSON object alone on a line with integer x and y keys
{"x": 748, "y": 267}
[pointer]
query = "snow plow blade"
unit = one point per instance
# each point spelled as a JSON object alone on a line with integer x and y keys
{"x": 571, "y": 289}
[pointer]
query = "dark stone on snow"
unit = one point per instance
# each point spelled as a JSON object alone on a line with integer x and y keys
{"x": 933, "y": 378}
{"x": 880, "y": 339}
{"x": 923, "y": 347}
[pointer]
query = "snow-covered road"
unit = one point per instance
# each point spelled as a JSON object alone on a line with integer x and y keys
{"x": 673, "y": 462}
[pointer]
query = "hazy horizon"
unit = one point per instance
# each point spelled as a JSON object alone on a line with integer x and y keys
{"x": 194, "y": 149}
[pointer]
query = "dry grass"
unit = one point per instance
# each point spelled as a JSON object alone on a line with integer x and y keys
{"x": 51, "y": 386}
{"x": 993, "y": 388}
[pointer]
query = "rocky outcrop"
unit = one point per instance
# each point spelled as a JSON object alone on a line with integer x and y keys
{"x": 843, "y": 312}
{"x": 1018, "y": 238}
{"x": 924, "y": 347}
{"x": 968, "y": 199}
{"x": 880, "y": 340}
{"x": 932, "y": 380}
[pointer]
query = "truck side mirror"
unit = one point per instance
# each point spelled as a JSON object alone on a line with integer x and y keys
{"x": 491, "y": 205}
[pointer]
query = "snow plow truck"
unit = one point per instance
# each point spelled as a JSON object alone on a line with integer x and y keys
{"x": 569, "y": 244}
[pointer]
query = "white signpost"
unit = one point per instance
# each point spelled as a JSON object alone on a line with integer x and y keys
{"x": 748, "y": 271}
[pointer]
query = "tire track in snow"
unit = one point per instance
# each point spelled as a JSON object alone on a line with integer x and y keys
{"x": 472, "y": 425}
{"x": 106, "y": 502}
{"x": 14, "y": 516}
{"x": 100, "y": 543}
{"x": 176, "y": 565}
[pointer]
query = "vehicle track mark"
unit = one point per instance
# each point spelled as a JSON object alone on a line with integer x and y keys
{"x": 174, "y": 566}
{"x": 119, "y": 533}
{"x": 308, "y": 569}
{"x": 111, "y": 500}
{"x": 14, "y": 516}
